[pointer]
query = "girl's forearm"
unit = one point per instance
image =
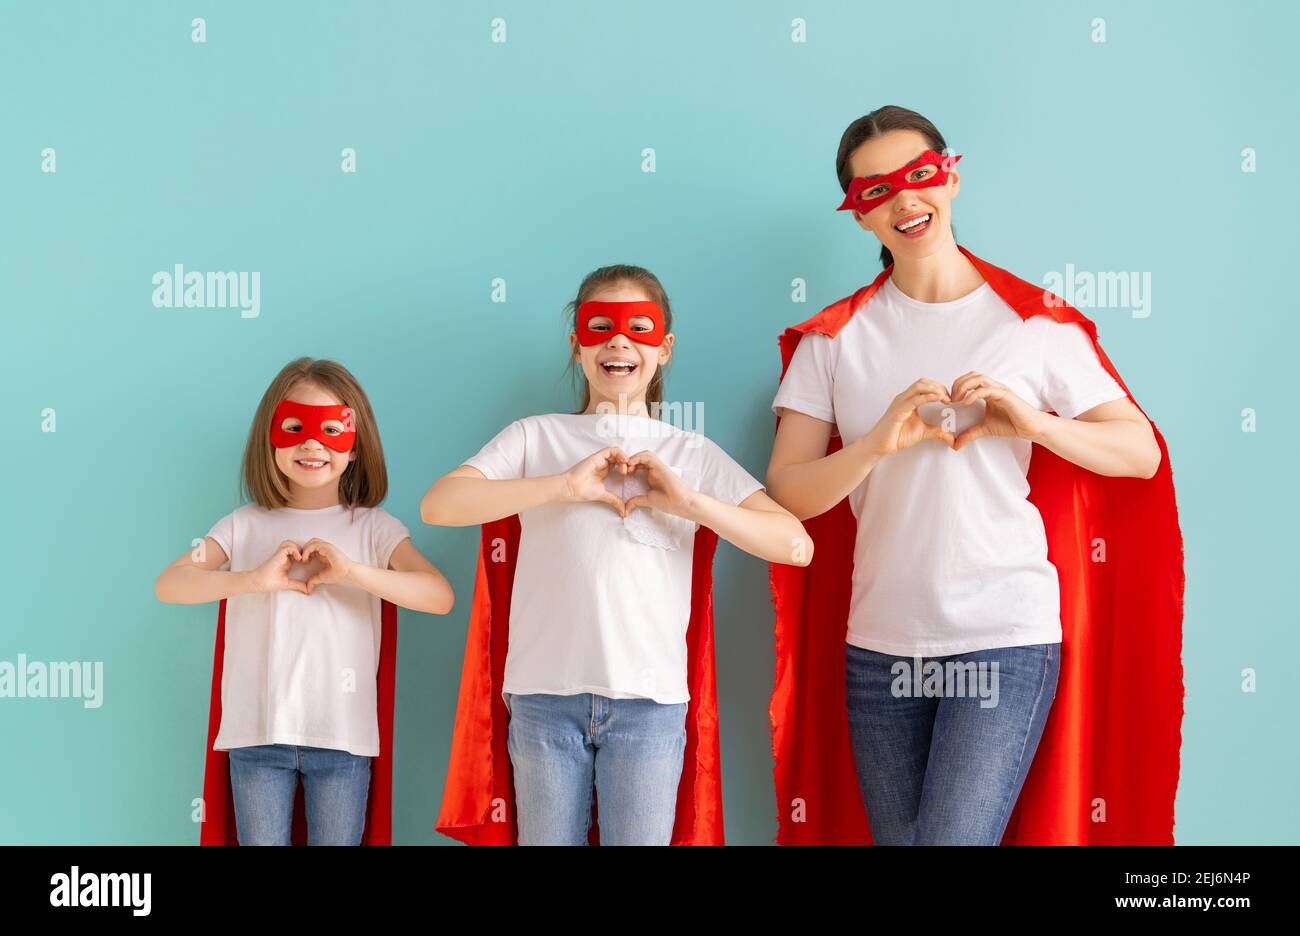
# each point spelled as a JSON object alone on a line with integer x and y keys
{"x": 463, "y": 501}
{"x": 419, "y": 591}
{"x": 1119, "y": 448}
{"x": 767, "y": 534}
{"x": 809, "y": 489}
{"x": 191, "y": 585}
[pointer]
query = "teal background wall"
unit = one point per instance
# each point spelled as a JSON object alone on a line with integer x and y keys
{"x": 522, "y": 160}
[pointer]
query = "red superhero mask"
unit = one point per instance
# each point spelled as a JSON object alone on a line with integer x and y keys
{"x": 621, "y": 315}
{"x": 312, "y": 419}
{"x": 882, "y": 188}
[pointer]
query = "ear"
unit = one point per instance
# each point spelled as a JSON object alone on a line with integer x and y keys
{"x": 862, "y": 221}
{"x": 574, "y": 346}
{"x": 666, "y": 349}
{"x": 954, "y": 183}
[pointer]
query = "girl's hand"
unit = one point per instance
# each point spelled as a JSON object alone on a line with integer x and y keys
{"x": 1005, "y": 414}
{"x": 902, "y": 426}
{"x": 585, "y": 481}
{"x": 337, "y": 566}
{"x": 668, "y": 492}
{"x": 273, "y": 574}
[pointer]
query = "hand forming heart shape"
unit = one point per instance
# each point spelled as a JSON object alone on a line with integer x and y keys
{"x": 1005, "y": 414}
{"x": 301, "y": 569}
{"x": 654, "y": 484}
{"x": 334, "y": 567}
{"x": 608, "y": 475}
{"x": 976, "y": 406}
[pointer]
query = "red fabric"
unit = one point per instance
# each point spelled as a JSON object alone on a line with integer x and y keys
{"x": 478, "y": 801}
{"x": 897, "y": 181}
{"x": 312, "y": 421}
{"x": 218, "y": 827}
{"x": 1114, "y": 732}
{"x": 620, "y": 315}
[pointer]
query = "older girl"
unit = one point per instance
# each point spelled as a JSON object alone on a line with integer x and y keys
{"x": 609, "y": 499}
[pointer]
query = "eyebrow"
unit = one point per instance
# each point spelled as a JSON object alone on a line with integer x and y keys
{"x": 880, "y": 175}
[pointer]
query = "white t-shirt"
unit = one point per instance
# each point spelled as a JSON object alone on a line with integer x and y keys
{"x": 301, "y": 669}
{"x": 950, "y": 555}
{"x": 600, "y": 603}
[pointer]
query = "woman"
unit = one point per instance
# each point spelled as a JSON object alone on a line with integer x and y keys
{"x": 939, "y": 380}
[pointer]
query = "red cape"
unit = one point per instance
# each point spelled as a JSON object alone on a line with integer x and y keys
{"x": 1113, "y": 736}
{"x": 478, "y": 801}
{"x": 218, "y": 827}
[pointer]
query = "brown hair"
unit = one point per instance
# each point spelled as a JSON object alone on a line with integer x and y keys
{"x": 879, "y": 121}
{"x": 612, "y": 276}
{"x": 364, "y": 482}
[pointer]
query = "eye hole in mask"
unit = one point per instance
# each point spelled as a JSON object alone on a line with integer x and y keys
{"x": 598, "y": 321}
{"x": 928, "y": 169}
{"x": 333, "y": 426}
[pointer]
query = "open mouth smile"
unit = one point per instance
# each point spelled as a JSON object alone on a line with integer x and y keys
{"x": 619, "y": 367}
{"x": 310, "y": 464}
{"x": 915, "y": 226}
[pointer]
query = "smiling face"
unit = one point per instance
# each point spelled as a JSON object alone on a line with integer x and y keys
{"x": 618, "y": 366}
{"x": 309, "y": 465}
{"x": 923, "y": 214}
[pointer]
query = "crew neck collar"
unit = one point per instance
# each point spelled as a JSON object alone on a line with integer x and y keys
{"x": 335, "y": 508}
{"x": 618, "y": 416}
{"x": 902, "y": 298}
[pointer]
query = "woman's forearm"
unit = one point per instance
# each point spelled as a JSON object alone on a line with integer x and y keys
{"x": 420, "y": 591}
{"x": 465, "y": 501}
{"x": 811, "y": 488}
{"x": 768, "y": 534}
{"x": 1119, "y": 448}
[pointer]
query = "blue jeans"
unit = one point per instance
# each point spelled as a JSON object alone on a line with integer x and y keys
{"x": 942, "y": 761}
{"x": 264, "y": 781}
{"x": 630, "y": 750}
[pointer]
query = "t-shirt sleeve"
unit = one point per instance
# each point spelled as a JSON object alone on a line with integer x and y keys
{"x": 388, "y": 533}
{"x": 809, "y": 382}
{"x": 1074, "y": 380}
{"x": 223, "y": 531}
{"x": 502, "y": 459}
{"x": 722, "y": 477}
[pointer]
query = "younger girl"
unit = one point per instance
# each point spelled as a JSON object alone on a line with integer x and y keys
{"x": 304, "y": 569}
{"x": 610, "y": 499}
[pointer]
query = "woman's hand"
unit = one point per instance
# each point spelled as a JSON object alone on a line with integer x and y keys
{"x": 337, "y": 566}
{"x": 585, "y": 481}
{"x": 1005, "y": 414}
{"x": 902, "y": 426}
{"x": 273, "y": 574}
{"x": 668, "y": 492}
